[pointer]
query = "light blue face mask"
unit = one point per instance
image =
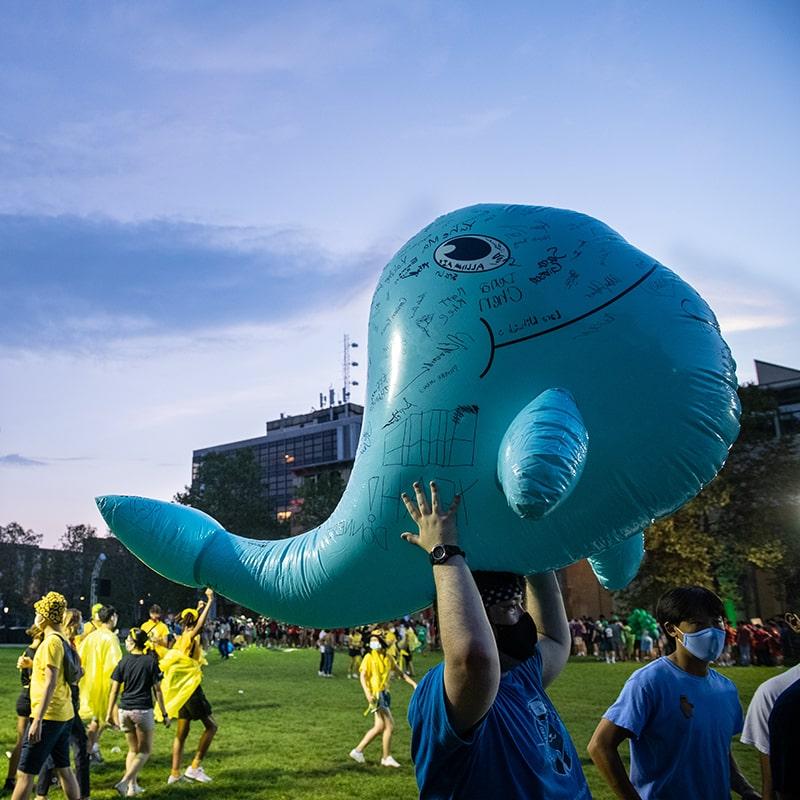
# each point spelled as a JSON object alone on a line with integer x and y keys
{"x": 707, "y": 645}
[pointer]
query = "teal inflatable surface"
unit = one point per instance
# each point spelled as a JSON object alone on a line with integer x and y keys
{"x": 567, "y": 385}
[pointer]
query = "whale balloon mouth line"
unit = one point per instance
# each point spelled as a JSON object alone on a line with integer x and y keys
{"x": 493, "y": 346}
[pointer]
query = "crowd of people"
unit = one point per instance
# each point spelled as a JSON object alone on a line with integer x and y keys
{"x": 613, "y": 639}
{"x": 76, "y": 683}
{"x": 481, "y": 721}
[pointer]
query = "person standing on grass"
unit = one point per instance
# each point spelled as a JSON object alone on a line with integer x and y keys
{"x": 197, "y": 706}
{"x": 354, "y": 642}
{"x": 78, "y": 739}
{"x": 756, "y": 730}
{"x": 376, "y": 673}
{"x": 100, "y": 652}
{"x": 140, "y": 677}
{"x": 47, "y": 734}
{"x": 23, "y": 705}
{"x": 157, "y": 632}
{"x": 679, "y": 714}
{"x": 481, "y": 723}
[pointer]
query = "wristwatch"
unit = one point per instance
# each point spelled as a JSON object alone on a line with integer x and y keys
{"x": 441, "y": 552}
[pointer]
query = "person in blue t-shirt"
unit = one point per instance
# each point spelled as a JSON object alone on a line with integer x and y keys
{"x": 482, "y": 725}
{"x": 679, "y": 715}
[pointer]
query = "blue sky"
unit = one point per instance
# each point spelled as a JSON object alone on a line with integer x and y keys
{"x": 197, "y": 198}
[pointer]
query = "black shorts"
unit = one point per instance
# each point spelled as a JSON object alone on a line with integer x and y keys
{"x": 196, "y": 707}
{"x": 354, "y": 651}
{"x": 53, "y": 743}
{"x": 24, "y": 703}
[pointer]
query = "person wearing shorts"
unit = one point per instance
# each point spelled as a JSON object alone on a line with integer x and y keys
{"x": 47, "y": 734}
{"x": 197, "y": 706}
{"x": 376, "y": 673}
{"x": 139, "y": 675}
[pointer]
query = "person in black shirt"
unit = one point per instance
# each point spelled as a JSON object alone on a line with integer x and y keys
{"x": 24, "y": 664}
{"x": 140, "y": 676}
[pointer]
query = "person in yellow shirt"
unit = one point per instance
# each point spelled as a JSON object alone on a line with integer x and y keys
{"x": 197, "y": 706}
{"x": 354, "y": 643}
{"x": 100, "y": 652}
{"x": 376, "y": 673}
{"x": 51, "y": 703}
{"x": 157, "y": 632}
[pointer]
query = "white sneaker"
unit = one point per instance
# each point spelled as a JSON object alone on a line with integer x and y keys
{"x": 122, "y": 788}
{"x": 389, "y": 762}
{"x": 197, "y": 774}
{"x": 176, "y": 779}
{"x": 357, "y": 755}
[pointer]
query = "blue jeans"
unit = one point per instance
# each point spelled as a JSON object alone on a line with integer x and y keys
{"x": 327, "y": 662}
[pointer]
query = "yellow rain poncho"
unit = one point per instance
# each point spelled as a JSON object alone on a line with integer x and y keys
{"x": 100, "y": 653}
{"x": 182, "y": 674}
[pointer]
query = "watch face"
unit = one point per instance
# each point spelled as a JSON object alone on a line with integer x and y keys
{"x": 438, "y": 551}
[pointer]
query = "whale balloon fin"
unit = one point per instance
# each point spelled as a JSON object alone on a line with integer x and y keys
{"x": 616, "y": 567}
{"x": 542, "y": 454}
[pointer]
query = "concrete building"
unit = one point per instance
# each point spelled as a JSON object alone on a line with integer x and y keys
{"x": 784, "y": 383}
{"x": 297, "y": 447}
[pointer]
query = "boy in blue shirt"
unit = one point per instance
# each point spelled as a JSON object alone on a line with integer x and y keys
{"x": 482, "y": 725}
{"x": 679, "y": 715}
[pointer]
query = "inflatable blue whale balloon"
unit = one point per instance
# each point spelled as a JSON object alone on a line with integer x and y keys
{"x": 567, "y": 385}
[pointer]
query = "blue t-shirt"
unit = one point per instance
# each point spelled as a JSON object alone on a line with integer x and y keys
{"x": 682, "y": 727}
{"x": 520, "y": 749}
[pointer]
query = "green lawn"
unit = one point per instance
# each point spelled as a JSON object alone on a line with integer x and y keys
{"x": 286, "y": 733}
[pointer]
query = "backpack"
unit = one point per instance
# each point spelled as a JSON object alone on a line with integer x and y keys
{"x": 73, "y": 671}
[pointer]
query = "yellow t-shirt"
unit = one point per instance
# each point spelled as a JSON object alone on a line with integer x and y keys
{"x": 377, "y": 668}
{"x": 50, "y": 653}
{"x": 156, "y": 631}
{"x": 355, "y": 640}
{"x": 391, "y": 643}
{"x": 189, "y": 645}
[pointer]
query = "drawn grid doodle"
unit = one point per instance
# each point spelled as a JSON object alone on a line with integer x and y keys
{"x": 442, "y": 437}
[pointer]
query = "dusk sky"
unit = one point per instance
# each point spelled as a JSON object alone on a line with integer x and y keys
{"x": 196, "y": 199}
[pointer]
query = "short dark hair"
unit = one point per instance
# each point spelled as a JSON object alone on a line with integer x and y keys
{"x": 139, "y": 637}
{"x": 105, "y": 613}
{"x": 155, "y": 609}
{"x": 685, "y": 603}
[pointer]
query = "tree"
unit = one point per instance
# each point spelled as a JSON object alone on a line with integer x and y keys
{"x": 14, "y": 533}
{"x": 76, "y": 536}
{"x": 318, "y": 497}
{"x": 229, "y": 487}
{"x": 745, "y": 519}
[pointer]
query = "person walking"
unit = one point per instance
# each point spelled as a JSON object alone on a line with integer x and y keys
{"x": 47, "y": 734}
{"x": 139, "y": 676}
{"x": 376, "y": 673}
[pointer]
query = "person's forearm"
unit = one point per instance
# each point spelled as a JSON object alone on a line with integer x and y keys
{"x": 610, "y": 766}
{"x": 546, "y": 606}
{"x": 160, "y": 699}
{"x": 464, "y": 628}
{"x": 739, "y": 783}
{"x": 767, "y": 792}
{"x": 367, "y": 692}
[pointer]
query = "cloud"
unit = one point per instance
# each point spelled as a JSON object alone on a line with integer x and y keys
{"x": 16, "y": 460}
{"x": 80, "y": 283}
{"x": 743, "y": 298}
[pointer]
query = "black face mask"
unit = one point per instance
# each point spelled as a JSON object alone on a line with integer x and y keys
{"x": 518, "y": 640}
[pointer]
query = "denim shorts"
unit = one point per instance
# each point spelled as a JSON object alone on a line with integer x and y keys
{"x": 54, "y": 742}
{"x": 132, "y": 718}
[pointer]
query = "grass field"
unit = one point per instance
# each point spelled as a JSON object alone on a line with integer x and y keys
{"x": 285, "y": 732}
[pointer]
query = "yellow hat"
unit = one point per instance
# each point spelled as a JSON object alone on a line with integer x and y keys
{"x": 52, "y": 607}
{"x": 189, "y": 612}
{"x": 95, "y": 608}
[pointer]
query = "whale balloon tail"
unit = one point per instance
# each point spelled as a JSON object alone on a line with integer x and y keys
{"x": 168, "y": 537}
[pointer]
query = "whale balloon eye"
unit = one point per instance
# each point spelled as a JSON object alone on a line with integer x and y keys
{"x": 471, "y": 254}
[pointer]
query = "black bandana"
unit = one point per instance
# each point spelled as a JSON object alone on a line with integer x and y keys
{"x": 498, "y": 587}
